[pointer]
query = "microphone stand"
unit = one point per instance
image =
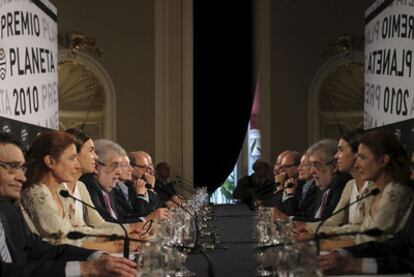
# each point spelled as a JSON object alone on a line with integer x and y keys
{"x": 193, "y": 217}
{"x": 196, "y": 239}
{"x": 375, "y": 232}
{"x": 66, "y": 194}
{"x": 373, "y": 192}
{"x": 168, "y": 191}
{"x": 187, "y": 185}
{"x": 74, "y": 235}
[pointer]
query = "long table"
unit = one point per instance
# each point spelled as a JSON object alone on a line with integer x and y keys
{"x": 236, "y": 226}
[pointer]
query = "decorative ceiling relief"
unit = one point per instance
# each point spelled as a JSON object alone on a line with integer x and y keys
{"x": 83, "y": 86}
{"x": 337, "y": 90}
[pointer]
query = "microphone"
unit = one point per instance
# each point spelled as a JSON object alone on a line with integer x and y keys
{"x": 196, "y": 240}
{"x": 75, "y": 235}
{"x": 169, "y": 191}
{"x": 375, "y": 232}
{"x": 186, "y": 184}
{"x": 272, "y": 188}
{"x": 147, "y": 185}
{"x": 193, "y": 217}
{"x": 373, "y": 192}
{"x": 289, "y": 185}
{"x": 66, "y": 194}
{"x": 266, "y": 188}
{"x": 79, "y": 235}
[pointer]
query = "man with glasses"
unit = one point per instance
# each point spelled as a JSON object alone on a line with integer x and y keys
{"x": 286, "y": 178}
{"x": 101, "y": 184}
{"x": 300, "y": 200}
{"x": 147, "y": 200}
{"x": 276, "y": 168}
{"x": 25, "y": 254}
{"x": 330, "y": 181}
{"x": 124, "y": 193}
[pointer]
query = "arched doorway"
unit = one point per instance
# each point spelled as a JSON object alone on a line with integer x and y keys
{"x": 86, "y": 95}
{"x": 337, "y": 95}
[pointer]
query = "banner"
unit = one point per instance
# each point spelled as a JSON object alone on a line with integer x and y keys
{"x": 29, "y": 62}
{"x": 389, "y": 74}
{"x": 24, "y": 132}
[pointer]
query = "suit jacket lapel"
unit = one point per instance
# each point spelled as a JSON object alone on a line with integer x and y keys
{"x": 8, "y": 232}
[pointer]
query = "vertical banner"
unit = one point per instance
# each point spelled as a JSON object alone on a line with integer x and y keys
{"x": 28, "y": 62}
{"x": 389, "y": 76}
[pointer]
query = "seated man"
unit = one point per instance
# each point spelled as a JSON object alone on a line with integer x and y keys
{"x": 147, "y": 199}
{"x": 300, "y": 199}
{"x": 101, "y": 184}
{"x": 330, "y": 182}
{"x": 165, "y": 189}
{"x": 25, "y": 254}
{"x": 124, "y": 191}
{"x": 287, "y": 174}
{"x": 255, "y": 187}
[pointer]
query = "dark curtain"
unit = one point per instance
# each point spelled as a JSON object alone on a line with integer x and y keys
{"x": 223, "y": 87}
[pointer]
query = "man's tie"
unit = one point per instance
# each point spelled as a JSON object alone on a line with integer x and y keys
{"x": 108, "y": 205}
{"x": 322, "y": 206}
{"x": 4, "y": 250}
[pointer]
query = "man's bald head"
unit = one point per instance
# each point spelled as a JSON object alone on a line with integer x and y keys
{"x": 141, "y": 163}
{"x": 276, "y": 168}
{"x": 289, "y": 163}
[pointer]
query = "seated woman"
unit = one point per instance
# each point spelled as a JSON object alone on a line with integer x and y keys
{"x": 79, "y": 214}
{"x": 52, "y": 161}
{"x": 382, "y": 161}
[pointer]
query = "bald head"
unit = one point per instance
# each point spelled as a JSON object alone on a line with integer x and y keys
{"x": 289, "y": 164}
{"x": 141, "y": 163}
{"x": 276, "y": 168}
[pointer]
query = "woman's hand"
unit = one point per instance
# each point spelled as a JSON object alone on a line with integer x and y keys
{"x": 335, "y": 263}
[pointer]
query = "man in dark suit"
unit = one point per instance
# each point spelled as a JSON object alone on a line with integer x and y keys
{"x": 165, "y": 189}
{"x": 330, "y": 182}
{"x": 393, "y": 256}
{"x": 300, "y": 200}
{"x": 297, "y": 198}
{"x": 257, "y": 188}
{"x": 126, "y": 195}
{"x": 142, "y": 175}
{"x": 24, "y": 254}
{"x": 101, "y": 184}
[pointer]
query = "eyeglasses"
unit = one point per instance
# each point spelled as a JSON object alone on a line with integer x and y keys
{"x": 146, "y": 167}
{"x": 288, "y": 166}
{"x": 113, "y": 166}
{"x": 305, "y": 165}
{"x": 13, "y": 167}
{"x": 124, "y": 165}
{"x": 318, "y": 166}
{"x": 147, "y": 226}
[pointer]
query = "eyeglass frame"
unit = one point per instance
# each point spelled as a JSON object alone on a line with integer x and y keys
{"x": 14, "y": 166}
{"x": 305, "y": 165}
{"x": 147, "y": 226}
{"x": 284, "y": 167}
{"x": 146, "y": 167}
{"x": 113, "y": 166}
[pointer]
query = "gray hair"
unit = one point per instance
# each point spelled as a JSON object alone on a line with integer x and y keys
{"x": 104, "y": 146}
{"x": 326, "y": 147}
